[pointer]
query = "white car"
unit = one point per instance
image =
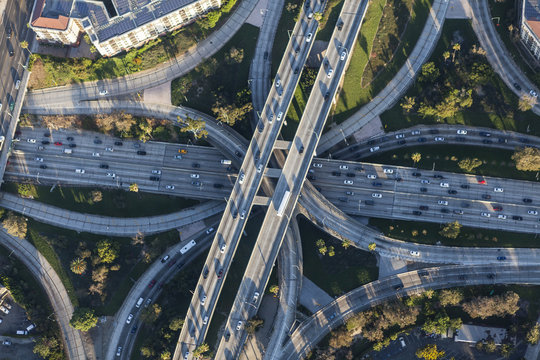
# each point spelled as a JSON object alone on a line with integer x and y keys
{"x": 462, "y": 132}
{"x": 103, "y": 92}
{"x": 195, "y": 176}
{"x": 18, "y": 84}
{"x": 485, "y": 214}
{"x": 255, "y": 296}
{"x": 414, "y": 253}
{"x": 223, "y": 247}
{"x": 238, "y": 325}
{"x": 423, "y": 181}
{"x": 348, "y": 182}
{"x": 110, "y": 149}
{"x": 376, "y": 195}
{"x": 317, "y": 165}
{"x": 80, "y": 171}
{"x": 278, "y": 83}
{"x": 119, "y": 351}
{"x": 33, "y": 141}
{"x": 243, "y": 215}
{"x": 39, "y": 159}
{"x": 205, "y": 320}
{"x": 415, "y": 132}
{"x": 156, "y": 172}
{"x": 279, "y": 116}
{"x": 186, "y": 355}
{"x": 442, "y": 202}
{"x": 270, "y": 118}
{"x": 129, "y": 318}
{"x": 179, "y": 157}
{"x": 308, "y": 37}
{"x": 501, "y": 216}
{"x": 400, "y": 136}
{"x": 169, "y": 187}
{"x": 4, "y": 310}
{"x": 388, "y": 171}
{"x": 439, "y": 138}
{"x": 372, "y": 176}
{"x": 532, "y": 212}
{"x": 95, "y": 154}
{"x": 203, "y": 300}
{"x": 445, "y": 184}
{"x": 329, "y": 73}
{"x": 111, "y": 174}
{"x": 343, "y": 167}
{"x": 498, "y": 189}
{"x": 241, "y": 178}
{"x": 259, "y": 168}
{"x": 209, "y": 231}
{"x": 343, "y": 55}
{"x": 375, "y": 148}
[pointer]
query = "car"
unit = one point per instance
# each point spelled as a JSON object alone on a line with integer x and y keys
{"x": 255, "y": 296}
{"x": 109, "y": 149}
{"x": 462, "y": 132}
{"x": 517, "y": 86}
{"x": 415, "y": 132}
{"x": 498, "y": 190}
{"x": 501, "y": 258}
{"x": 41, "y": 148}
{"x": 220, "y": 274}
{"x": 442, "y": 202}
{"x": 533, "y": 93}
{"x": 422, "y": 139}
{"x": 458, "y": 212}
{"x": 350, "y": 193}
{"x": 376, "y": 195}
{"x": 134, "y": 329}
{"x": 371, "y": 176}
{"x": 375, "y": 148}
{"x": 336, "y": 173}
{"x": 205, "y": 273}
{"x": 317, "y": 165}
{"x": 164, "y": 259}
{"x": 348, "y": 182}
{"x": 42, "y": 166}
{"x": 156, "y": 172}
{"x": 485, "y": 214}
{"x": 401, "y": 142}
{"x": 311, "y": 177}
{"x": 243, "y": 214}
{"x": 502, "y": 140}
{"x": 343, "y": 55}
{"x": 141, "y": 152}
{"x": 532, "y": 212}
{"x": 118, "y": 143}
{"x": 218, "y": 186}
{"x": 111, "y": 174}
{"x": 152, "y": 283}
{"x": 195, "y": 176}
{"x": 400, "y": 136}
{"x": 32, "y": 141}
{"x": 72, "y": 145}
{"x": 482, "y": 181}
{"x": 203, "y": 300}
{"x": 445, "y": 210}
{"x": 39, "y": 159}
{"x": 103, "y": 166}
{"x": 95, "y": 154}
{"x": 439, "y": 138}
{"x": 58, "y": 143}
{"x": 416, "y": 174}
{"x": 45, "y": 142}
{"x": 444, "y": 184}
{"x": 209, "y": 231}
{"x": 452, "y": 192}
{"x": 497, "y": 207}
{"x": 388, "y": 171}
{"x": 238, "y": 325}
{"x": 195, "y": 165}
{"x": 424, "y": 207}
{"x": 487, "y": 141}
{"x": 523, "y": 140}
{"x": 80, "y": 171}
{"x": 375, "y": 183}
{"x": 129, "y": 318}
{"x": 423, "y": 189}
{"x": 4, "y": 310}
{"x": 438, "y": 176}
{"x": 486, "y": 196}
{"x": 278, "y": 83}
{"x": 484, "y": 134}
{"x": 343, "y": 167}
{"x": 517, "y": 217}
{"x": 103, "y": 92}
{"x": 186, "y": 355}
{"x": 491, "y": 276}
{"x": 351, "y": 175}
{"x": 179, "y": 157}
{"x": 308, "y": 37}
{"x": 169, "y": 187}
{"x": 279, "y": 116}
{"x": 223, "y": 247}
{"x": 154, "y": 178}
{"x": 464, "y": 186}
{"x": 501, "y": 216}
{"x": 329, "y": 73}
{"x": 6, "y": 342}
{"x": 119, "y": 351}
{"x": 424, "y": 181}
{"x": 241, "y": 177}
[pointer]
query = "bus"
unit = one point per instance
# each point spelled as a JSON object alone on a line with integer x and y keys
{"x": 284, "y": 202}
{"x": 188, "y": 246}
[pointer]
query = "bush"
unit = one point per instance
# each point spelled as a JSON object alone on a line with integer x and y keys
{"x": 83, "y": 319}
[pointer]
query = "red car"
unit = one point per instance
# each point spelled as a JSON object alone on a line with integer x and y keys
{"x": 152, "y": 283}
{"x": 481, "y": 181}
{"x": 220, "y": 274}
{"x": 171, "y": 263}
{"x": 58, "y": 143}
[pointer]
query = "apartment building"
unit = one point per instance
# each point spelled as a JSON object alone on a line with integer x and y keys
{"x": 530, "y": 26}
{"x": 134, "y": 22}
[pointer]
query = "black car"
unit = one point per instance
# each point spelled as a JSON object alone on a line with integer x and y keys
{"x": 327, "y": 95}
{"x": 402, "y": 142}
{"x": 301, "y": 150}
{"x": 220, "y": 274}
{"x": 465, "y": 204}
{"x": 154, "y": 178}
{"x": 238, "y": 153}
{"x": 196, "y": 183}
{"x": 45, "y": 142}
{"x": 523, "y": 140}
{"x": 369, "y": 202}
{"x": 452, "y": 192}
{"x": 424, "y": 207}
{"x": 486, "y": 196}
{"x": 517, "y": 87}
{"x": 98, "y": 141}
{"x": 265, "y": 55}
{"x": 11, "y": 52}
{"x": 421, "y": 139}
{"x": 43, "y": 166}
{"x": 336, "y": 173}
{"x": 491, "y": 276}
{"x": 462, "y": 277}
{"x": 9, "y": 30}
{"x": 104, "y": 166}
{"x": 416, "y": 174}
{"x": 527, "y": 200}
{"x": 515, "y": 217}
{"x": 195, "y": 165}
{"x": 487, "y": 141}
{"x": 47, "y": 134}
{"x": 351, "y": 175}
{"x": 437, "y": 176}
{"x": 69, "y": 138}
{"x": 445, "y": 211}
{"x": 218, "y": 186}
{"x": 464, "y": 186}
{"x": 134, "y": 329}
{"x": 296, "y": 71}
{"x": 502, "y": 140}
{"x": 342, "y": 199}
{"x": 423, "y": 189}
{"x": 141, "y": 152}
{"x": 416, "y": 212}
{"x": 260, "y": 126}
{"x": 377, "y": 184}
{"x": 340, "y": 25}
{"x": 205, "y": 273}
{"x": 118, "y": 143}
{"x": 484, "y": 134}
{"x": 72, "y": 145}
{"x": 371, "y": 142}
{"x": 359, "y": 168}
{"x": 311, "y": 177}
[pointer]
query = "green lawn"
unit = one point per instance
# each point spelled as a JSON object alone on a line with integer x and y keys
{"x": 115, "y": 203}
{"x": 494, "y": 105}
{"x": 218, "y": 79}
{"x": 343, "y": 272}
{"x": 286, "y": 24}
{"x": 497, "y": 162}
{"x": 428, "y": 233}
{"x": 354, "y": 95}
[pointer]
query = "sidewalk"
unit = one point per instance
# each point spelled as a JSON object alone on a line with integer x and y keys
{"x": 313, "y": 297}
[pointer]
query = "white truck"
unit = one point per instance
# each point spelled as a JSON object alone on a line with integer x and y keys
{"x": 284, "y": 202}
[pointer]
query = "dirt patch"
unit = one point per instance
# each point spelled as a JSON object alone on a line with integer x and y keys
{"x": 38, "y": 78}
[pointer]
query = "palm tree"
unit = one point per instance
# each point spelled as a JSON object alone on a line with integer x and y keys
{"x": 134, "y": 187}
{"x": 456, "y": 47}
{"x": 78, "y": 266}
{"x": 416, "y": 157}
{"x": 446, "y": 55}
{"x": 24, "y": 45}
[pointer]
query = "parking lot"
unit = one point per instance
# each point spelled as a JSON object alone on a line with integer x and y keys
{"x": 21, "y": 346}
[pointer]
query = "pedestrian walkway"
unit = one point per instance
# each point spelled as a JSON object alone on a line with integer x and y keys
{"x": 389, "y": 266}
{"x": 313, "y": 297}
{"x": 533, "y": 351}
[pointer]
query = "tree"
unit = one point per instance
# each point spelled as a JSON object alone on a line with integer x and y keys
{"x": 533, "y": 335}
{"x": 97, "y": 196}
{"x": 253, "y": 324}
{"x": 416, "y": 157}
{"x": 83, "y": 319}
{"x": 456, "y": 47}
{"x": 78, "y": 266}
{"x": 234, "y": 56}
{"x": 46, "y": 347}
{"x": 469, "y": 164}
{"x": 346, "y": 243}
{"x": 331, "y": 251}
{"x": 372, "y": 246}
{"x": 151, "y": 314}
{"x": 490, "y": 346}
{"x": 105, "y": 251}
{"x": 274, "y": 289}
{"x": 408, "y": 103}
{"x": 527, "y": 159}
{"x": 441, "y": 323}
{"x": 429, "y": 73}
{"x": 446, "y": 55}
{"x": 450, "y": 297}
{"x": 481, "y": 74}
{"x": 165, "y": 355}
{"x": 486, "y": 306}
{"x": 176, "y": 324}
{"x": 24, "y": 45}
{"x": 201, "y": 350}
{"x": 526, "y": 102}
{"x": 429, "y": 352}
{"x": 319, "y": 243}
{"x": 230, "y": 114}
{"x": 196, "y": 127}
{"x": 506, "y": 349}
{"x": 147, "y": 351}
{"x": 15, "y": 225}
{"x": 451, "y": 230}
{"x": 145, "y": 130}
{"x": 134, "y": 187}
{"x": 211, "y": 19}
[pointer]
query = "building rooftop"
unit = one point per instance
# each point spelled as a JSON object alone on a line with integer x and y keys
{"x": 532, "y": 15}
{"x": 52, "y": 14}
{"x": 473, "y": 334}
